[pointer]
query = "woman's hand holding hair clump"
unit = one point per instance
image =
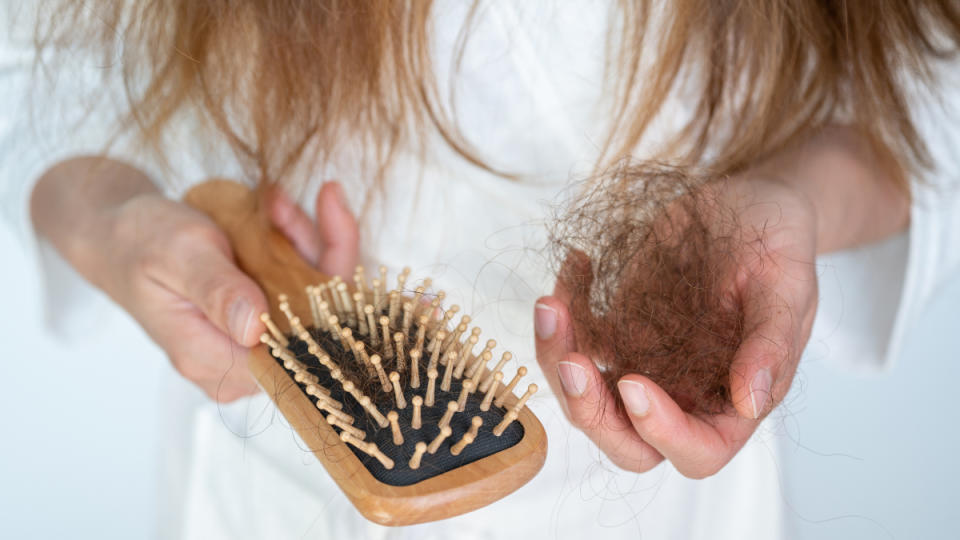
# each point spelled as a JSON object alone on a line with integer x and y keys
{"x": 681, "y": 308}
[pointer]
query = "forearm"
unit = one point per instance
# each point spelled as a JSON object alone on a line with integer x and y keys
{"x": 71, "y": 199}
{"x": 855, "y": 198}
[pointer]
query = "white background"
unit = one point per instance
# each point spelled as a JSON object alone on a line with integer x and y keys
{"x": 868, "y": 457}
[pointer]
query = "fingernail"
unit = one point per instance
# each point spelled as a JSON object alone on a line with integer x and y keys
{"x": 760, "y": 391}
{"x": 635, "y": 397}
{"x": 241, "y": 317}
{"x": 544, "y": 321}
{"x": 573, "y": 378}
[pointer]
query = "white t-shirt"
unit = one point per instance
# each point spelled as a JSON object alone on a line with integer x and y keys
{"x": 531, "y": 99}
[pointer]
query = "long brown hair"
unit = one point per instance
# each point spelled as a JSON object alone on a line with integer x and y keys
{"x": 766, "y": 73}
{"x": 277, "y": 76}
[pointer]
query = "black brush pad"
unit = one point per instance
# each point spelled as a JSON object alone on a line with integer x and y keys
{"x": 485, "y": 444}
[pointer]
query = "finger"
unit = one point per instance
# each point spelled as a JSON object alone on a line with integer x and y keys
{"x": 338, "y": 231}
{"x": 295, "y": 225}
{"x": 199, "y": 351}
{"x": 582, "y": 393}
{"x": 206, "y": 275}
{"x": 763, "y": 366}
{"x": 554, "y": 341}
{"x": 697, "y": 447}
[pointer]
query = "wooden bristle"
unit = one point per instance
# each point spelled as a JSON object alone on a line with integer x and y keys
{"x": 336, "y": 300}
{"x": 387, "y": 347}
{"x": 489, "y": 380}
{"x": 415, "y": 368}
{"x": 435, "y": 350}
{"x": 312, "y": 299}
{"x": 274, "y": 331}
{"x": 418, "y": 455}
{"x": 488, "y": 397}
{"x": 464, "y": 355}
{"x": 461, "y": 444}
{"x": 465, "y": 392}
{"x": 361, "y": 351}
{"x": 323, "y": 308}
{"x": 392, "y": 417}
{"x": 335, "y": 330}
{"x": 485, "y": 355}
{"x": 417, "y": 299}
{"x": 372, "y": 325}
{"x": 431, "y": 386}
{"x": 397, "y": 390}
{"x": 531, "y": 390}
{"x": 347, "y": 335}
{"x": 407, "y": 317}
{"x": 421, "y": 333}
{"x": 384, "y": 381}
{"x": 468, "y": 437}
{"x": 398, "y": 339}
{"x": 502, "y": 398}
{"x": 374, "y": 412}
{"x": 448, "y": 371}
{"x": 480, "y": 364}
{"x": 268, "y": 340}
{"x": 507, "y": 420}
{"x": 346, "y": 305}
{"x": 360, "y": 280}
{"x": 447, "y": 317}
{"x": 334, "y": 421}
{"x": 448, "y": 414}
{"x": 358, "y": 307}
{"x": 377, "y": 295}
{"x": 445, "y": 432}
{"x": 394, "y": 310}
{"x": 454, "y": 337}
{"x": 370, "y": 449}
{"x": 417, "y": 401}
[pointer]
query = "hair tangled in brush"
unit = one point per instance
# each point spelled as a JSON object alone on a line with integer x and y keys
{"x": 647, "y": 257}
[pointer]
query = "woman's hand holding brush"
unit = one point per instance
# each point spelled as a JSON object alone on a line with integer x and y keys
{"x": 172, "y": 268}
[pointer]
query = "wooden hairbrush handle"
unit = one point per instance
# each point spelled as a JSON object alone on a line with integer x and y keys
{"x": 268, "y": 257}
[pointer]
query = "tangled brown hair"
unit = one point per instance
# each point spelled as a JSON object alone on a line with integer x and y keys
{"x": 278, "y": 76}
{"x": 647, "y": 257}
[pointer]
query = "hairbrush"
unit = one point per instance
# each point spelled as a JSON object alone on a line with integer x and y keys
{"x": 400, "y": 403}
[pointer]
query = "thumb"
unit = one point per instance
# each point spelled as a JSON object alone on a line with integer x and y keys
{"x": 229, "y": 299}
{"x": 339, "y": 233}
{"x": 765, "y": 359}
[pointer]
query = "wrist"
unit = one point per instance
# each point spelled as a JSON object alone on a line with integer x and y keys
{"x": 854, "y": 198}
{"x": 74, "y": 205}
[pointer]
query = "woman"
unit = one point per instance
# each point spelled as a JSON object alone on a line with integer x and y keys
{"x": 370, "y": 108}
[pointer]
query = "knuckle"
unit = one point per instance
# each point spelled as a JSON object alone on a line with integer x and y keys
{"x": 191, "y": 233}
{"x": 221, "y": 293}
{"x": 147, "y": 261}
{"x": 585, "y": 416}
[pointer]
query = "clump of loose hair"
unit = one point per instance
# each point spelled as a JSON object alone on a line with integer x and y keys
{"x": 647, "y": 256}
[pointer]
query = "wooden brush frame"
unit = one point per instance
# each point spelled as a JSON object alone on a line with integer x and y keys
{"x": 267, "y": 256}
